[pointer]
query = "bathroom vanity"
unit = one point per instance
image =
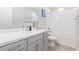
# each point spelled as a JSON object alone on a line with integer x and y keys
{"x": 22, "y": 41}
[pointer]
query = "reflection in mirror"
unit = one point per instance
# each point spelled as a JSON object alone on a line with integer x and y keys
{"x": 16, "y": 17}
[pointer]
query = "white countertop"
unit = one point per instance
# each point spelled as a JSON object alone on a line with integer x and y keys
{"x": 7, "y": 37}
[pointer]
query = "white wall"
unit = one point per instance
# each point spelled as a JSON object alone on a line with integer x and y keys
{"x": 48, "y": 22}
{"x": 5, "y": 17}
{"x": 51, "y": 22}
{"x": 42, "y": 21}
{"x": 66, "y": 27}
{"x": 62, "y": 25}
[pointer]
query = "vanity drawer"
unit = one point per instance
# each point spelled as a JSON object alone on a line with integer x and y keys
{"x": 34, "y": 38}
{"x": 16, "y": 46}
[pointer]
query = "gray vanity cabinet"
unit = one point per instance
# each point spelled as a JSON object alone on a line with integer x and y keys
{"x": 45, "y": 41}
{"x": 34, "y": 47}
{"x": 41, "y": 44}
{"x": 38, "y": 42}
{"x": 35, "y": 43}
{"x": 37, "y": 46}
{"x": 15, "y": 46}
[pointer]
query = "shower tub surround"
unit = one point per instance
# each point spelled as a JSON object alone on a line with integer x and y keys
{"x": 23, "y": 40}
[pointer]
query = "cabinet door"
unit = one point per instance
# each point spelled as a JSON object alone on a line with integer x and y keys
{"x": 16, "y": 46}
{"x": 41, "y": 44}
{"x": 32, "y": 39}
{"x": 34, "y": 47}
{"x": 45, "y": 43}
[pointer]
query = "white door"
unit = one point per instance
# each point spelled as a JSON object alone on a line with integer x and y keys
{"x": 66, "y": 27}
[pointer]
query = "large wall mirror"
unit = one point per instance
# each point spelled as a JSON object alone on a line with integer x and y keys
{"x": 16, "y": 17}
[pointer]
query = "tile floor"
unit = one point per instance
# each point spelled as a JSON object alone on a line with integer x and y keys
{"x": 59, "y": 47}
